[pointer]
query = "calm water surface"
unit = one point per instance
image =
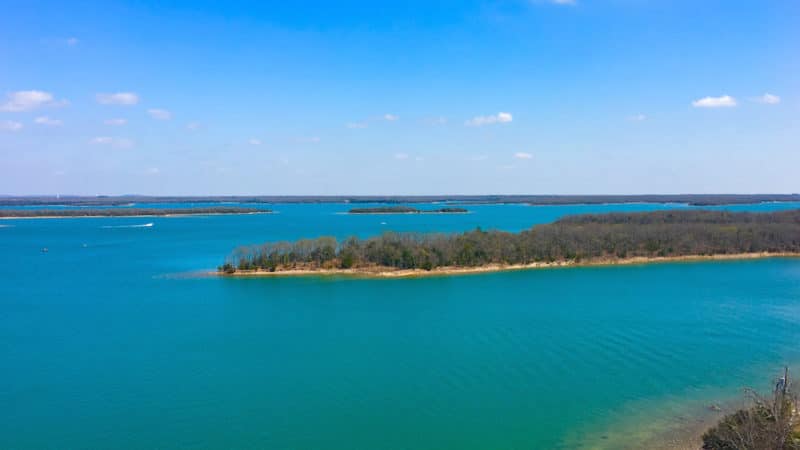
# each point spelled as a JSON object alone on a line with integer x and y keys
{"x": 107, "y": 342}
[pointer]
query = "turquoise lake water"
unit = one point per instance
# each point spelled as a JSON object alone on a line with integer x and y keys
{"x": 112, "y": 340}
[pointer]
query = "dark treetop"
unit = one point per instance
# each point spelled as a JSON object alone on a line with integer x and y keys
{"x": 571, "y": 239}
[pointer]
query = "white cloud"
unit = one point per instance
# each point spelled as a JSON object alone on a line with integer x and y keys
{"x": 10, "y": 125}
{"x": 523, "y": 155}
{"x": 255, "y": 141}
{"x": 356, "y": 125}
{"x": 390, "y": 117}
{"x": 152, "y": 171}
{"x": 501, "y": 117}
{"x": 441, "y": 120}
{"x": 112, "y": 142}
{"x": 159, "y": 114}
{"x": 768, "y": 99}
{"x": 401, "y": 156}
{"x": 118, "y": 98}
{"x": 193, "y": 126}
{"x": 102, "y": 140}
{"x": 115, "y": 122}
{"x": 309, "y": 140}
{"x": 478, "y": 158}
{"x": 29, "y": 100}
{"x": 726, "y": 101}
{"x": 72, "y": 41}
{"x": 637, "y": 118}
{"x": 44, "y": 120}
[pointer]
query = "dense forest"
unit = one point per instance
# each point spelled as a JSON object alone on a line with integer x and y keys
{"x": 406, "y": 210}
{"x": 572, "y": 239}
{"x": 126, "y": 212}
{"x": 691, "y": 199}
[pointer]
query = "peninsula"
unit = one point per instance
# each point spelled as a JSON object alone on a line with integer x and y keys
{"x": 124, "y": 212}
{"x": 406, "y": 210}
{"x": 615, "y": 238}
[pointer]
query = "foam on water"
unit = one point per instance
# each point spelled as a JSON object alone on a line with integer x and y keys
{"x": 143, "y": 225}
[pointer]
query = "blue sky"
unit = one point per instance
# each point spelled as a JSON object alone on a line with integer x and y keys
{"x": 413, "y": 97}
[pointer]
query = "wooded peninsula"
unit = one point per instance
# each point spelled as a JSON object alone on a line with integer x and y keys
{"x": 124, "y": 212}
{"x": 406, "y": 210}
{"x": 581, "y": 239}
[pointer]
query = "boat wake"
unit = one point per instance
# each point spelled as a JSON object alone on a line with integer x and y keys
{"x": 143, "y": 225}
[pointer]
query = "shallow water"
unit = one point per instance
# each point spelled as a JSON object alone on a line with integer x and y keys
{"x": 107, "y": 342}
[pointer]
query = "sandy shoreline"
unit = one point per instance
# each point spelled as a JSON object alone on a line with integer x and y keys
{"x": 387, "y": 272}
{"x": 136, "y": 216}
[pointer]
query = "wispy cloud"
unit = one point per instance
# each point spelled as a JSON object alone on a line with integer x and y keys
{"x": 401, "y": 156}
{"x": 112, "y": 142}
{"x": 118, "y": 98}
{"x": 725, "y": 101}
{"x": 637, "y": 118}
{"x": 29, "y": 100}
{"x": 10, "y": 125}
{"x": 70, "y": 41}
{"x": 44, "y": 120}
{"x": 478, "y": 158}
{"x": 365, "y": 123}
{"x": 523, "y": 155}
{"x": 152, "y": 171}
{"x": 441, "y": 120}
{"x": 767, "y": 99}
{"x": 159, "y": 114}
{"x": 254, "y": 141}
{"x": 115, "y": 122}
{"x": 309, "y": 140}
{"x": 193, "y": 126}
{"x": 479, "y": 121}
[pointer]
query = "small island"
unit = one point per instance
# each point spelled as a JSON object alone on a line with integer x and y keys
{"x": 124, "y": 212}
{"x": 614, "y": 238}
{"x": 406, "y": 210}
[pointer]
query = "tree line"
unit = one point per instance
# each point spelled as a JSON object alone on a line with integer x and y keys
{"x": 126, "y": 212}
{"x": 692, "y": 199}
{"x": 406, "y": 210}
{"x": 572, "y": 239}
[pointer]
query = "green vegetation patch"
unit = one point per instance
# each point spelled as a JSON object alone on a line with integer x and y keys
{"x": 571, "y": 239}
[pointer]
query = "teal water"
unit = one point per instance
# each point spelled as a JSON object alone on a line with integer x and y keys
{"x": 108, "y": 341}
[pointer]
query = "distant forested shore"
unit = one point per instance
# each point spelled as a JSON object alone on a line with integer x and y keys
{"x": 577, "y": 239}
{"x": 125, "y": 212}
{"x": 690, "y": 199}
{"x": 406, "y": 210}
